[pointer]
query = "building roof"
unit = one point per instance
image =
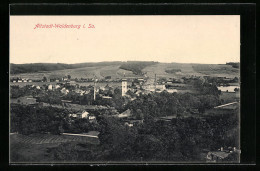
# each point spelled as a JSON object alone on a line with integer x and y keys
{"x": 124, "y": 114}
{"x": 220, "y": 154}
{"x": 106, "y": 97}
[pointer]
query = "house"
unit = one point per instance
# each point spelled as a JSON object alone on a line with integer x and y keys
{"x": 50, "y": 87}
{"x": 138, "y": 92}
{"x": 91, "y": 117}
{"x": 102, "y": 88}
{"x": 125, "y": 114}
{"x": 161, "y": 87}
{"x": 172, "y": 90}
{"x": 134, "y": 122}
{"x": 82, "y": 114}
{"x": 129, "y": 124}
{"x": 221, "y": 154}
{"x": 65, "y": 78}
{"x": 57, "y": 86}
{"x": 64, "y": 91}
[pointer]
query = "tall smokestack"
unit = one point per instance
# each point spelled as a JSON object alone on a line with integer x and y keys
{"x": 95, "y": 89}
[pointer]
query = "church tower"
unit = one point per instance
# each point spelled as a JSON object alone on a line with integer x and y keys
{"x": 124, "y": 87}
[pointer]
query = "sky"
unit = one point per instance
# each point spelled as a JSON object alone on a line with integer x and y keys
{"x": 213, "y": 39}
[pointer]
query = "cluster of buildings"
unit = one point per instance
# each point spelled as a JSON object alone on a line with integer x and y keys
{"x": 145, "y": 87}
{"x": 83, "y": 114}
{"x": 21, "y": 80}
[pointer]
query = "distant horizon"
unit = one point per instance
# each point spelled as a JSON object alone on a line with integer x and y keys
{"x": 121, "y": 61}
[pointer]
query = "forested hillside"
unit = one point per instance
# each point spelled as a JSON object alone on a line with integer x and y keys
{"x": 36, "y": 67}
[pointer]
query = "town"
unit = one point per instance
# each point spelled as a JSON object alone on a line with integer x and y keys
{"x": 92, "y": 111}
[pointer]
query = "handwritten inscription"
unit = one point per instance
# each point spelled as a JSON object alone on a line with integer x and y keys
{"x": 63, "y": 26}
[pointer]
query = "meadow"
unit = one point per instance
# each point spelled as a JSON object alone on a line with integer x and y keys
{"x": 36, "y": 147}
{"x": 99, "y": 72}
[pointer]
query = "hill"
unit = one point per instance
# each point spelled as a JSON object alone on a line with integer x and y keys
{"x": 119, "y": 69}
{"x": 178, "y": 70}
{"x": 36, "y": 67}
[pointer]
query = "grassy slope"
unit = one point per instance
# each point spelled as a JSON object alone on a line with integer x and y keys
{"x": 216, "y": 70}
{"x": 86, "y": 72}
{"x": 191, "y": 69}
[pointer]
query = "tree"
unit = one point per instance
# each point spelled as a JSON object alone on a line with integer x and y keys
{"x": 44, "y": 79}
{"x": 69, "y": 77}
{"x": 236, "y": 89}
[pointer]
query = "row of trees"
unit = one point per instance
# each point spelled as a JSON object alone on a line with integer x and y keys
{"x": 136, "y": 67}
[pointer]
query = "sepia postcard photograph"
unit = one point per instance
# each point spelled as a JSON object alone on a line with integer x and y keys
{"x": 124, "y": 89}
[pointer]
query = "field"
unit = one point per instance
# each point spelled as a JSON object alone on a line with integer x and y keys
{"x": 98, "y": 72}
{"x": 36, "y": 148}
{"x": 191, "y": 69}
{"x": 216, "y": 70}
{"x": 159, "y": 70}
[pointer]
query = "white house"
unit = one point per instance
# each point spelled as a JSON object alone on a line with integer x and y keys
{"x": 57, "y": 86}
{"x": 172, "y": 90}
{"x": 82, "y": 114}
{"x": 91, "y": 117}
{"x": 50, "y": 87}
{"x": 161, "y": 87}
{"x": 65, "y": 91}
